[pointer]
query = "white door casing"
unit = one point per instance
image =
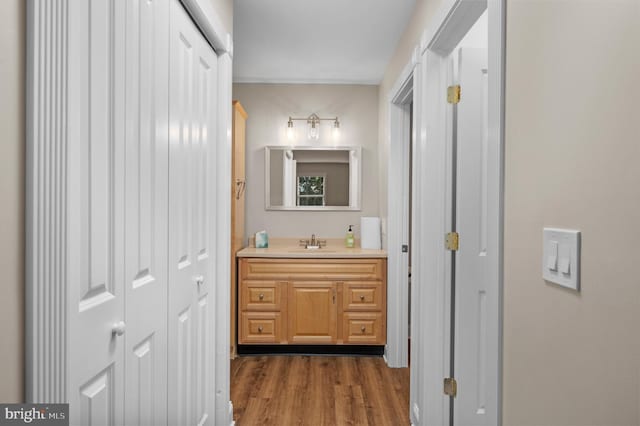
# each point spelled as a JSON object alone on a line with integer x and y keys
{"x": 146, "y": 176}
{"x": 474, "y": 340}
{"x": 222, "y": 390}
{"x": 192, "y": 123}
{"x": 401, "y": 135}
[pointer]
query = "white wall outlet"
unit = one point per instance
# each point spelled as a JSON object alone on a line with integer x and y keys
{"x": 561, "y": 257}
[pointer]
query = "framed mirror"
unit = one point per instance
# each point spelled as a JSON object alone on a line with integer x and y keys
{"x": 312, "y": 178}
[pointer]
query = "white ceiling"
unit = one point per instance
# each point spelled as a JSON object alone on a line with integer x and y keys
{"x": 316, "y": 41}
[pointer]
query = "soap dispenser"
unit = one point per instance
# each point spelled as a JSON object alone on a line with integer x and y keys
{"x": 350, "y": 240}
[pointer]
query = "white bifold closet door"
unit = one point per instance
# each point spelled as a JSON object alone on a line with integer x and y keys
{"x": 141, "y": 155}
{"x": 118, "y": 185}
{"x": 192, "y": 123}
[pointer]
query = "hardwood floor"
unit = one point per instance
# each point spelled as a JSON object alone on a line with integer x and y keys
{"x": 317, "y": 391}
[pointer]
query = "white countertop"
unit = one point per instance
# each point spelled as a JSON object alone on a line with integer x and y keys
{"x": 289, "y": 248}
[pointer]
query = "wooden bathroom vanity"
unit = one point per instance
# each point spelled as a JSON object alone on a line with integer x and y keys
{"x": 312, "y": 298}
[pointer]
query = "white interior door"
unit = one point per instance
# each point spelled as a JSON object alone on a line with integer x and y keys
{"x": 474, "y": 333}
{"x": 146, "y": 176}
{"x": 192, "y": 115}
{"x": 95, "y": 224}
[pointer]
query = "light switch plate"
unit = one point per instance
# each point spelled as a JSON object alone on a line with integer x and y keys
{"x": 561, "y": 257}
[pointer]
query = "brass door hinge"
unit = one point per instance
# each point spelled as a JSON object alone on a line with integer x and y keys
{"x": 451, "y": 241}
{"x": 453, "y": 94}
{"x": 450, "y": 386}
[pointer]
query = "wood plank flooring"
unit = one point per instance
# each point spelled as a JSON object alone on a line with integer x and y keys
{"x": 318, "y": 391}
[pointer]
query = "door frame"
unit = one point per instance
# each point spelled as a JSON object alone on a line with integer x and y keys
{"x": 431, "y": 278}
{"x": 50, "y": 138}
{"x": 401, "y": 135}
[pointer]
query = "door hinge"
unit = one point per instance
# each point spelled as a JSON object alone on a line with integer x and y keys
{"x": 451, "y": 241}
{"x": 450, "y": 386}
{"x": 453, "y": 94}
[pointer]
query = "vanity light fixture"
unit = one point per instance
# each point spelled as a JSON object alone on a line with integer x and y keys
{"x": 313, "y": 121}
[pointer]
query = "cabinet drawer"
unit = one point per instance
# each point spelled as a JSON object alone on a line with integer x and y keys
{"x": 313, "y": 269}
{"x": 362, "y": 296}
{"x": 260, "y": 327}
{"x": 362, "y": 328}
{"x": 260, "y": 295}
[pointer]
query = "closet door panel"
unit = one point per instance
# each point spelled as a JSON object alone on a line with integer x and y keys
{"x": 182, "y": 272}
{"x": 146, "y": 179}
{"x": 205, "y": 122}
{"x": 192, "y": 94}
{"x": 96, "y": 204}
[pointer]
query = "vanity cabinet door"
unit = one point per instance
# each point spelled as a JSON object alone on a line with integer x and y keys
{"x": 312, "y": 313}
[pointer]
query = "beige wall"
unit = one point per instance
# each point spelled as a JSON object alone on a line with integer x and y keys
{"x": 420, "y": 18}
{"x": 12, "y": 45}
{"x": 269, "y": 106}
{"x": 224, "y": 8}
{"x": 572, "y": 160}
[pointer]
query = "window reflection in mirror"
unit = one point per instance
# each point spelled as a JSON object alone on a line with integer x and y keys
{"x": 311, "y": 189}
{"x": 312, "y": 178}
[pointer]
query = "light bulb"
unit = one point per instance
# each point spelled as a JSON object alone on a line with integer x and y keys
{"x": 335, "y": 131}
{"x": 314, "y": 131}
{"x": 290, "y": 130}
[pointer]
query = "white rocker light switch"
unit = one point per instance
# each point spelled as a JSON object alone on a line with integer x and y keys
{"x": 561, "y": 257}
{"x": 552, "y": 258}
{"x": 563, "y": 265}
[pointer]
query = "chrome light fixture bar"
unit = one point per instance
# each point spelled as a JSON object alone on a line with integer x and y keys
{"x": 313, "y": 121}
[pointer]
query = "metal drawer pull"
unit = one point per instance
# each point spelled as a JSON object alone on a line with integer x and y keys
{"x": 261, "y": 296}
{"x": 363, "y": 329}
{"x": 260, "y": 329}
{"x": 362, "y": 297}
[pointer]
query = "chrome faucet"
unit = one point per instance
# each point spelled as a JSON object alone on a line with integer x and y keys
{"x": 313, "y": 243}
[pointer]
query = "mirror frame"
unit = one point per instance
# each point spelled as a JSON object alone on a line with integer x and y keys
{"x": 354, "y": 205}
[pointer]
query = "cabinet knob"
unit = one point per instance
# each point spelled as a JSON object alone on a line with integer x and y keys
{"x": 118, "y": 328}
{"x": 362, "y": 297}
{"x": 261, "y": 296}
{"x": 199, "y": 279}
{"x": 363, "y": 328}
{"x": 260, "y": 329}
